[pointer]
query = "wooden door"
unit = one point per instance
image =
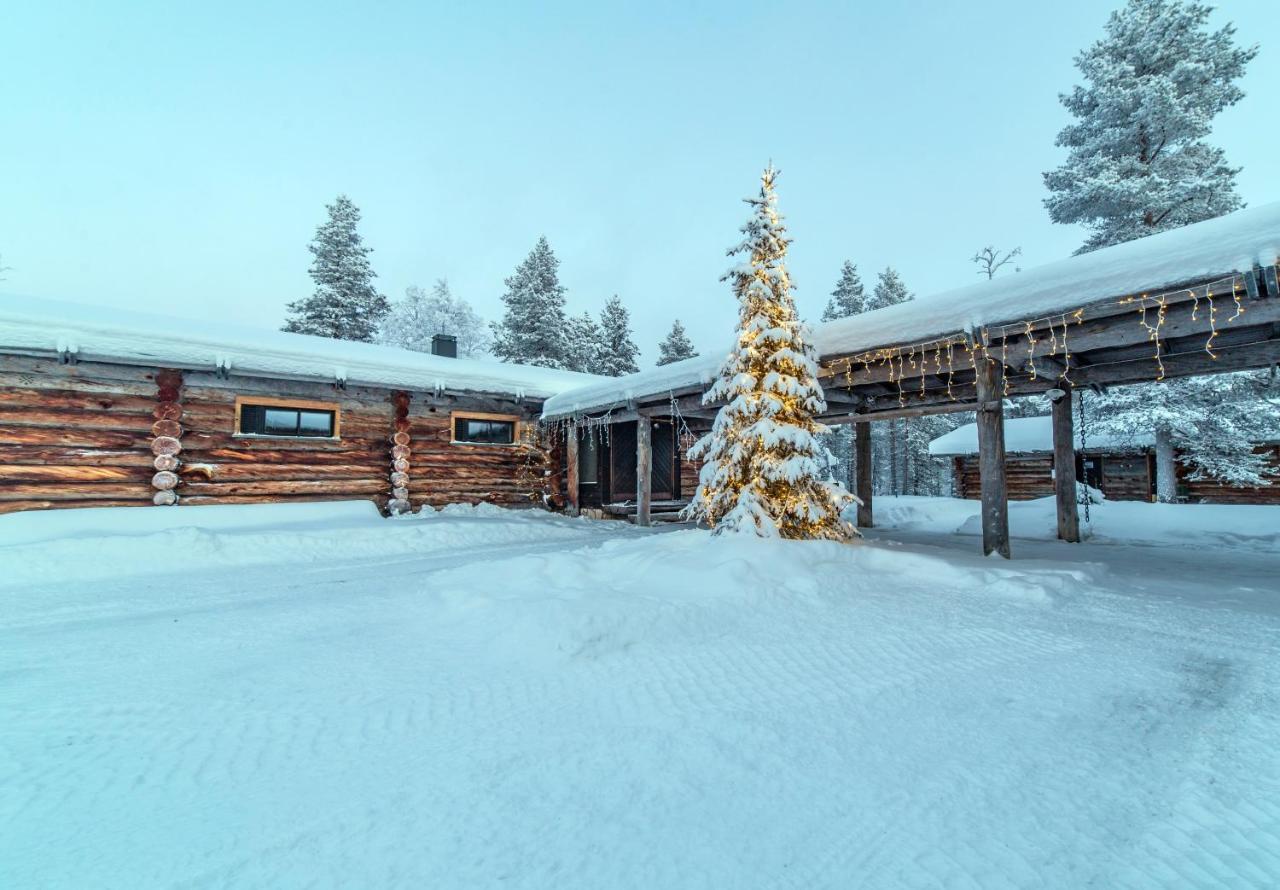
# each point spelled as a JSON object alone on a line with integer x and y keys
{"x": 664, "y": 461}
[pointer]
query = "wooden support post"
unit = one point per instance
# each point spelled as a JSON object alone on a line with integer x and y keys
{"x": 862, "y": 457}
{"x": 1064, "y": 467}
{"x": 991, "y": 464}
{"x": 644, "y": 468}
{"x": 571, "y": 471}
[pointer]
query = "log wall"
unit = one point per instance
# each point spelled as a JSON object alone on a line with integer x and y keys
{"x": 85, "y": 435}
{"x": 1030, "y": 476}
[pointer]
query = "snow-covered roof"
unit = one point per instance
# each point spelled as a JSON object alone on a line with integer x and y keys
{"x": 1200, "y": 252}
{"x": 1027, "y": 435}
{"x": 99, "y": 333}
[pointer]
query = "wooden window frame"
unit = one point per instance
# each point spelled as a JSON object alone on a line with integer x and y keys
{"x": 513, "y": 419}
{"x": 297, "y": 404}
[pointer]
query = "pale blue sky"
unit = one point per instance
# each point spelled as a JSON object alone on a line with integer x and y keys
{"x": 174, "y": 158}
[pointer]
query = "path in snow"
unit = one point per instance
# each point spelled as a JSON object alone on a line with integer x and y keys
{"x": 549, "y": 703}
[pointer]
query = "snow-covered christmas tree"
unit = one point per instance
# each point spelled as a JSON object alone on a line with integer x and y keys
{"x": 677, "y": 346}
{"x": 764, "y": 465}
{"x": 1138, "y": 162}
{"x": 533, "y": 326}
{"x": 345, "y": 305}
{"x": 618, "y": 352}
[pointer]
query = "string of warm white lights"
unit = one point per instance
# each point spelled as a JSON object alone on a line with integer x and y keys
{"x": 1151, "y": 310}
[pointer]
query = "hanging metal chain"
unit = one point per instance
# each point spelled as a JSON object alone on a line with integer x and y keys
{"x": 1084, "y": 443}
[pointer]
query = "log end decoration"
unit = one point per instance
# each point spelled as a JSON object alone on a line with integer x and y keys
{"x": 400, "y": 438}
{"x": 165, "y": 445}
{"x": 399, "y": 505}
{"x": 400, "y": 494}
{"x": 399, "y": 480}
{"x": 169, "y": 428}
{"x": 400, "y": 465}
{"x": 167, "y": 411}
{"x": 164, "y": 480}
{"x": 167, "y": 432}
{"x": 400, "y": 452}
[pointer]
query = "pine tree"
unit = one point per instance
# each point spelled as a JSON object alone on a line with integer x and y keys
{"x": 889, "y": 290}
{"x": 345, "y": 305}
{"x": 420, "y": 315}
{"x": 584, "y": 339}
{"x": 764, "y": 464}
{"x": 1137, "y": 161}
{"x": 676, "y": 347}
{"x": 533, "y": 326}
{"x": 618, "y": 352}
{"x": 849, "y": 297}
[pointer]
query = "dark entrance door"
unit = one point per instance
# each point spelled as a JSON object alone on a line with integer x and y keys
{"x": 664, "y": 462}
{"x": 622, "y": 462}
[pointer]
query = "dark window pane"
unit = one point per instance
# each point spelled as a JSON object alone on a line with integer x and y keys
{"x": 281, "y": 422}
{"x": 484, "y": 432}
{"x": 315, "y": 423}
{"x": 270, "y": 420}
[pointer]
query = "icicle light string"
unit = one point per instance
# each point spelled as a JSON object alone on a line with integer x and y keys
{"x": 897, "y": 358}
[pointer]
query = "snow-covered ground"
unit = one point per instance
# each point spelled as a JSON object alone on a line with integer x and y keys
{"x": 480, "y": 699}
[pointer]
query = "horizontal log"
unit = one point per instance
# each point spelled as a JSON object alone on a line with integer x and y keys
{"x": 195, "y": 471}
{"x": 18, "y": 506}
{"x": 72, "y": 473}
{"x": 74, "y": 419}
{"x": 255, "y": 455}
{"x": 12, "y": 397}
{"x": 31, "y": 454}
{"x": 335, "y": 487}
{"x": 68, "y": 491}
{"x": 73, "y": 438}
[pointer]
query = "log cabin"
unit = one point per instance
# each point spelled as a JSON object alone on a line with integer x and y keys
{"x": 1121, "y": 470}
{"x": 109, "y": 408}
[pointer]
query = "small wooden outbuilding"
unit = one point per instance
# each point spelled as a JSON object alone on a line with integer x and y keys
{"x": 1122, "y": 471}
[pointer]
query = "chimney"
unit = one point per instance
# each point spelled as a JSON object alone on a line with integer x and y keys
{"x": 445, "y": 345}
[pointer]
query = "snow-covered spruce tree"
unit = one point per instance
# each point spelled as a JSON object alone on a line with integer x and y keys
{"x": 583, "y": 339}
{"x": 618, "y": 352}
{"x": 677, "y": 346}
{"x": 764, "y": 465}
{"x": 849, "y": 297}
{"x": 532, "y": 330}
{"x": 1214, "y": 423}
{"x": 345, "y": 305}
{"x": 1138, "y": 162}
{"x": 891, "y": 450}
{"x": 420, "y": 315}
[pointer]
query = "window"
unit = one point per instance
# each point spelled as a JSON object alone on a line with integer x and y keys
{"x": 588, "y": 460}
{"x": 272, "y": 417}
{"x": 484, "y": 429}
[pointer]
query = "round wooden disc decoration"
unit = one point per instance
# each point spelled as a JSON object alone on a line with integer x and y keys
{"x": 164, "y": 480}
{"x": 167, "y": 394}
{"x": 400, "y": 494}
{"x": 169, "y": 378}
{"x": 399, "y": 505}
{"x": 165, "y": 462}
{"x": 400, "y": 480}
{"x": 165, "y": 445}
{"x": 400, "y": 452}
{"x": 402, "y": 426}
{"x": 167, "y": 411}
{"x": 400, "y": 465}
{"x": 400, "y": 439}
{"x": 165, "y": 498}
{"x": 166, "y": 428}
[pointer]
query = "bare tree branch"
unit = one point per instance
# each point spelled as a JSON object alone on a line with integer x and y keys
{"x": 989, "y": 260}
